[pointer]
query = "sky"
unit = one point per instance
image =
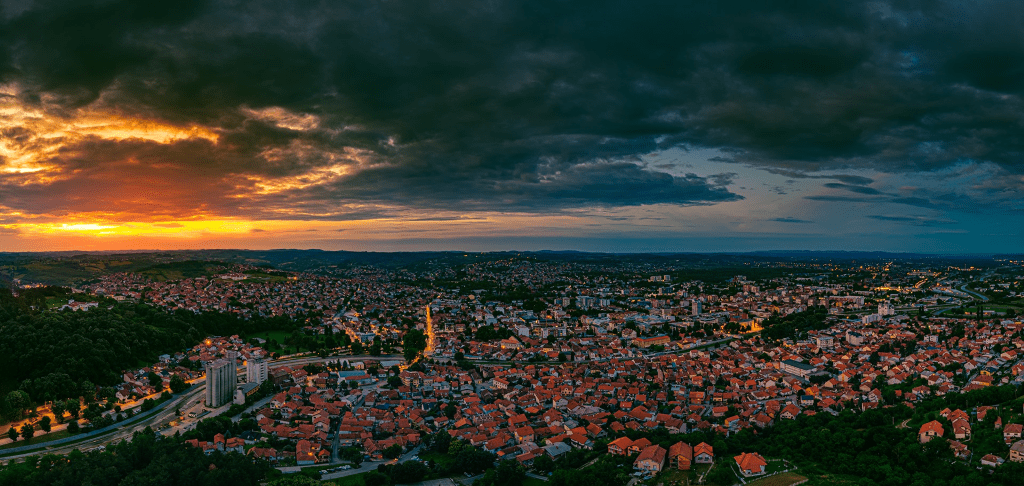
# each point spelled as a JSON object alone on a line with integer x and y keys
{"x": 625, "y": 126}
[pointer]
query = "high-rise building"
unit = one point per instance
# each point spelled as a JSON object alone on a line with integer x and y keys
{"x": 220, "y": 382}
{"x": 696, "y": 307}
{"x": 256, "y": 370}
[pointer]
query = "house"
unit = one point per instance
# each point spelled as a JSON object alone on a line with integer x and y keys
{"x": 751, "y": 464}
{"x": 1017, "y": 451}
{"x": 524, "y": 434}
{"x": 680, "y": 456}
{"x": 930, "y": 430}
{"x": 651, "y": 460}
{"x": 959, "y": 449}
{"x": 790, "y": 412}
{"x": 703, "y": 453}
{"x": 1012, "y": 432}
{"x": 797, "y": 368}
{"x": 651, "y": 341}
{"x": 961, "y": 429}
{"x": 620, "y": 446}
{"x": 556, "y": 450}
{"x": 638, "y": 446}
{"x": 991, "y": 460}
{"x": 266, "y": 453}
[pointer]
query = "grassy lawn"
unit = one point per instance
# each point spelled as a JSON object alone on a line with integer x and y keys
{"x": 444, "y": 461}
{"x": 534, "y": 482}
{"x": 265, "y": 277}
{"x": 56, "y": 302}
{"x": 354, "y": 480}
{"x": 38, "y": 439}
{"x": 774, "y": 466}
{"x": 279, "y": 336}
{"x": 675, "y": 477}
{"x": 784, "y": 479}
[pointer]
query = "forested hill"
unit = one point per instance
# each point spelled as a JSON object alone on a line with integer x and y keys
{"x": 61, "y": 350}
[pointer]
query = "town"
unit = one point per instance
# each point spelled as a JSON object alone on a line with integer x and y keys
{"x": 543, "y": 363}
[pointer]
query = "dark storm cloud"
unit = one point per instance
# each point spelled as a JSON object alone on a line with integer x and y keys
{"x": 533, "y": 105}
{"x": 791, "y": 220}
{"x": 847, "y": 178}
{"x": 914, "y": 220}
{"x": 853, "y": 188}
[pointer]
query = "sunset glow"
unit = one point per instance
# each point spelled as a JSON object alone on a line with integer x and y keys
{"x": 374, "y": 125}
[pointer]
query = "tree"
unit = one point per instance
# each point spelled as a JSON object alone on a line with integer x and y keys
{"x": 12, "y": 433}
{"x": 374, "y": 478}
{"x": 73, "y": 427}
{"x": 408, "y": 472}
{"x": 357, "y": 348}
{"x": 440, "y": 442}
{"x": 178, "y": 384}
{"x": 44, "y": 424}
{"x": 393, "y": 451}
{"x": 27, "y": 431}
{"x": 352, "y": 454}
{"x": 58, "y": 410}
{"x": 544, "y": 464}
{"x": 410, "y": 354}
{"x": 155, "y": 381}
{"x": 508, "y": 473}
{"x": 108, "y": 393}
{"x": 295, "y": 480}
{"x": 88, "y": 391}
{"x": 471, "y": 459}
{"x": 17, "y": 401}
{"x": 72, "y": 407}
{"x": 375, "y": 347}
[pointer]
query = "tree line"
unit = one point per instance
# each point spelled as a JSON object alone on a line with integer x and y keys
{"x": 144, "y": 461}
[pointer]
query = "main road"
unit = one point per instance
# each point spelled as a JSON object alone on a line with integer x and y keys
{"x": 188, "y": 400}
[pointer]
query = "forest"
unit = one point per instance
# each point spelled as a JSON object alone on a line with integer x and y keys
{"x": 59, "y": 354}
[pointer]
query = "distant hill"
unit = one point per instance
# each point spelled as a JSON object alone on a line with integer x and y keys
{"x": 69, "y": 268}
